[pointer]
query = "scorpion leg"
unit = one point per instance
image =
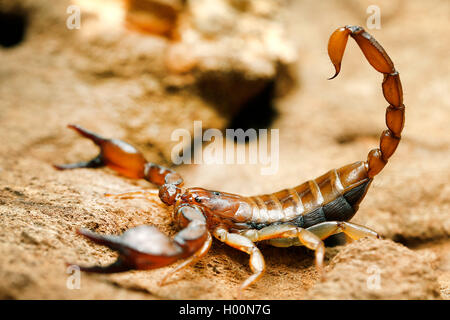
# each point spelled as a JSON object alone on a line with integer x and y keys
{"x": 284, "y": 231}
{"x": 325, "y": 229}
{"x": 288, "y": 234}
{"x": 242, "y": 243}
{"x": 138, "y": 194}
{"x": 145, "y": 247}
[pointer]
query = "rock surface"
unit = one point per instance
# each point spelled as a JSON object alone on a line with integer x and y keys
{"x": 116, "y": 82}
{"x": 377, "y": 269}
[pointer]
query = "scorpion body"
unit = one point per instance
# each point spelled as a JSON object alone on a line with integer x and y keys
{"x": 303, "y": 215}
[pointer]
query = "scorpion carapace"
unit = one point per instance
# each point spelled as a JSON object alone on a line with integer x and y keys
{"x": 304, "y": 215}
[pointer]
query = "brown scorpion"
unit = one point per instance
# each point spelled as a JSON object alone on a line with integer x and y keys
{"x": 303, "y": 215}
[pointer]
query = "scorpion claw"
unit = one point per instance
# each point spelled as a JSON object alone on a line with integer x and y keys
{"x": 116, "y": 154}
{"x": 97, "y": 162}
{"x": 145, "y": 247}
{"x": 123, "y": 158}
{"x": 118, "y": 266}
{"x": 336, "y": 74}
{"x": 141, "y": 248}
{"x": 97, "y": 139}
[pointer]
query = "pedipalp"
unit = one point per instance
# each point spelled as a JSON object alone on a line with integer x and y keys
{"x": 145, "y": 247}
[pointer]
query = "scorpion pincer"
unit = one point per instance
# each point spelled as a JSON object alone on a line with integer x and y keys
{"x": 303, "y": 215}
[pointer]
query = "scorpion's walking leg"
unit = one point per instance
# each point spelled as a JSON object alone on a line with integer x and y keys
{"x": 145, "y": 247}
{"x": 138, "y": 194}
{"x": 355, "y": 231}
{"x": 242, "y": 243}
{"x": 286, "y": 231}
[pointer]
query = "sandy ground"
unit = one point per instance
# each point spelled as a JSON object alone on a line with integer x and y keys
{"x": 115, "y": 85}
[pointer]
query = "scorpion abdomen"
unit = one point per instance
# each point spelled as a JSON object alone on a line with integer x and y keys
{"x": 334, "y": 196}
{"x": 343, "y": 208}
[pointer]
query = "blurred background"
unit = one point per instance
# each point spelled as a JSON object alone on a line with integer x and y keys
{"x": 137, "y": 70}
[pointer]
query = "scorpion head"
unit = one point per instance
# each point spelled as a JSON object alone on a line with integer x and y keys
{"x": 219, "y": 203}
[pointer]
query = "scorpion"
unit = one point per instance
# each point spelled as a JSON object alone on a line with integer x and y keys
{"x": 301, "y": 216}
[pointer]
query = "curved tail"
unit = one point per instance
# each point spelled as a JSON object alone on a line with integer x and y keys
{"x": 392, "y": 90}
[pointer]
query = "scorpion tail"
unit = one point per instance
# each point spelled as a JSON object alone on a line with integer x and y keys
{"x": 391, "y": 86}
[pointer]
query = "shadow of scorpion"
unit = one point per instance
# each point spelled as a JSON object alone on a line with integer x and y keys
{"x": 304, "y": 215}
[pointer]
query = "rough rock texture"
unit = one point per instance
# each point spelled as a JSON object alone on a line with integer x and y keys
{"x": 116, "y": 82}
{"x": 377, "y": 269}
